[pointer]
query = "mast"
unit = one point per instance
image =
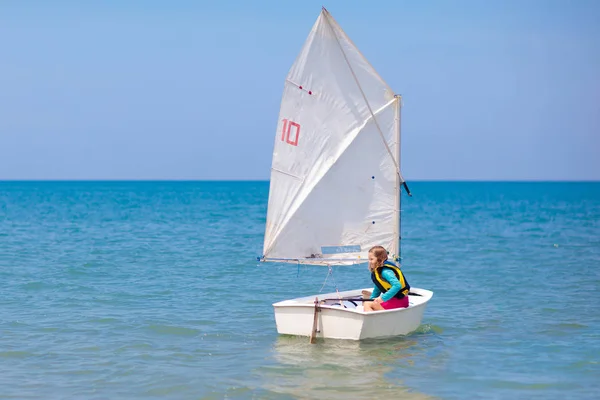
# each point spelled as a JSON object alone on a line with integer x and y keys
{"x": 398, "y": 216}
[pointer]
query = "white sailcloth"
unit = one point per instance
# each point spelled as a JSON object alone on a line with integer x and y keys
{"x": 334, "y": 180}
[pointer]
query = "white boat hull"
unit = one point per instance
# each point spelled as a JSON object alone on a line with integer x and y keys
{"x": 296, "y": 316}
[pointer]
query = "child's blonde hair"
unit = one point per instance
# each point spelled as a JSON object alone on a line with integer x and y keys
{"x": 380, "y": 254}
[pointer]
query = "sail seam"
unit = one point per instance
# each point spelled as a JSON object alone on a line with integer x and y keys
{"x": 288, "y": 174}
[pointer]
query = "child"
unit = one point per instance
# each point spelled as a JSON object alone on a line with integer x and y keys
{"x": 391, "y": 287}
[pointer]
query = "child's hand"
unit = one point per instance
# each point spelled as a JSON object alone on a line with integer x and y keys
{"x": 378, "y": 300}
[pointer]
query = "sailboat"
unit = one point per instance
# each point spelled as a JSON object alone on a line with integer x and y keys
{"x": 335, "y": 185}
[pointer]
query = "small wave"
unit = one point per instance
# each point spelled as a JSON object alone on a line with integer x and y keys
{"x": 90, "y": 348}
{"x": 551, "y": 310}
{"x": 582, "y": 364}
{"x": 203, "y": 322}
{"x": 173, "y": 330}
{"x": 427, "y": 328}
{"x": 573, "y": 325}
{"x": 107, "y": 320}
{"x": 527, "y": 386}
{"x": 35, "y": 285}
{"x": 80, "y": 271}
{"x": 15, "y": 354}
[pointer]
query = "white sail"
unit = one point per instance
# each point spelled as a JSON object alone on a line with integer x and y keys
{"x": 335, "y": 180}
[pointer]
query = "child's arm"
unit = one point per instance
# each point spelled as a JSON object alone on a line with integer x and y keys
{"x": 389, "y": 276}
{"x": 376, "y": 293}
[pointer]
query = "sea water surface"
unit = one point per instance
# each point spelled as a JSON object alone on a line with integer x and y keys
{"x": 152, "y": 290}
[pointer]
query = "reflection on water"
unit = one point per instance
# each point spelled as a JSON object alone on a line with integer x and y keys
{"x": 341, "y": 369}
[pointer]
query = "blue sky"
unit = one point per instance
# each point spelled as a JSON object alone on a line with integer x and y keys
{"x": 504, "y": 90}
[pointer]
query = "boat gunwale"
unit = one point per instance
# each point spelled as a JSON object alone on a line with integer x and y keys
{"x": 280, "y": 304}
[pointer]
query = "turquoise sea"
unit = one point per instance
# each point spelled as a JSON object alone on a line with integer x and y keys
{"x": 142, "y": 290}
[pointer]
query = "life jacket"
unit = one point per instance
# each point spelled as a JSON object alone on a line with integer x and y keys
{"x": 384, "y": 285}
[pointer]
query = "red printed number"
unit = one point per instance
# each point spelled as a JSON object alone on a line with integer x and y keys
{"x": 288, "y": 134}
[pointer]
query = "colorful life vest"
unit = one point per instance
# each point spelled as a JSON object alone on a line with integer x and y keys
{"x": 384, "y": 285}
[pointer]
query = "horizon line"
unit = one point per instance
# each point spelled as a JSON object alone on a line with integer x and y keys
{"x": 149, "y": 180}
